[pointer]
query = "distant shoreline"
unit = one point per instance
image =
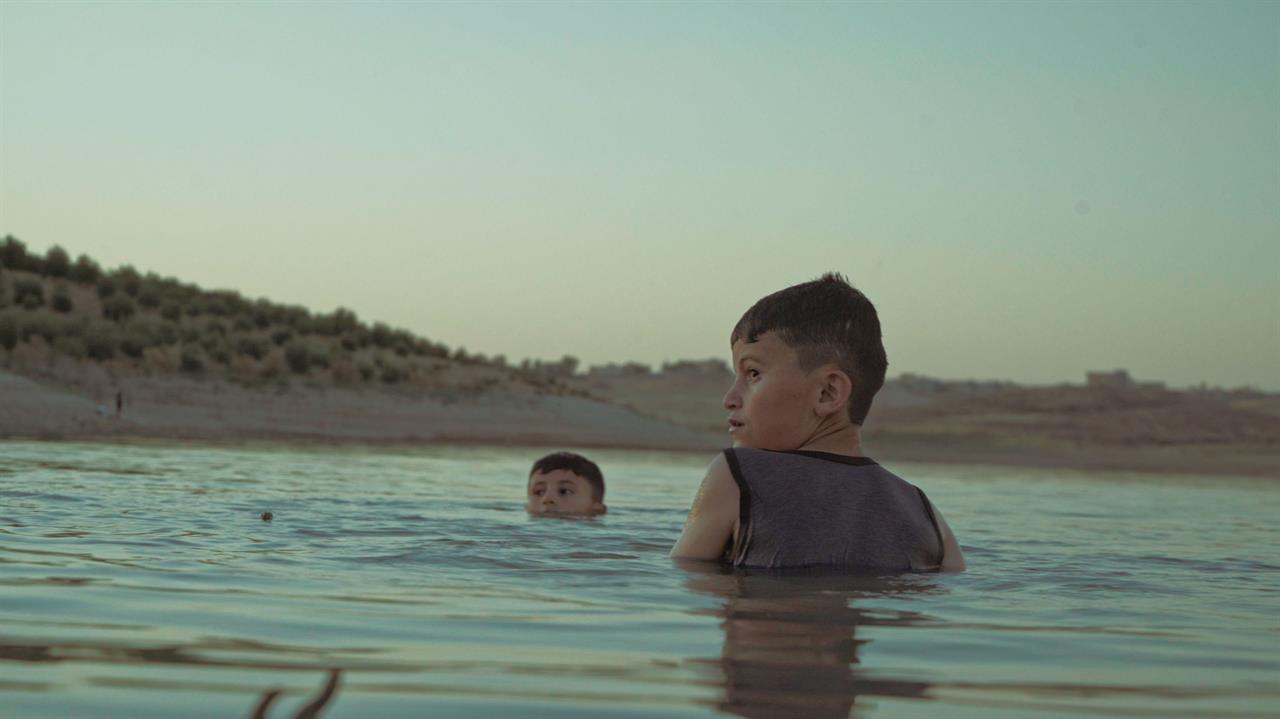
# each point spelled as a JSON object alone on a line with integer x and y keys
{"x": 1142, "y": 462}
{"x": 179, "y": 410}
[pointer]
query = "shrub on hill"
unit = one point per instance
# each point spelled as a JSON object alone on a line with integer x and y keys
{"x": 106, "y": 287}
{"x": 318, "y": 357}
{"x": 133, "y": 340}
{"x": 100, "y": 341}
{"x": 28, "y": 293}
{"x": 252, "y": 346}
{"x": 298, "y": 356}
{"x": 344, "y": 371}
{"x": 73, "y": 347}
{"x": 216, "y": 306}
{"x": 118, "y": 308}
{"x": 37, "y": 324}
{"x": 392, "y": 373}
{"x": 165, "y": 332}
{"x": 8, "y": 331}
{"x": 191, "y": 360}
{"x": 340, "y": 321}
{"x": 143, "y": 333}
{"x": 261, "y": 314}
{"x": 216, "y": 348}
{"x": 61, "y": 301}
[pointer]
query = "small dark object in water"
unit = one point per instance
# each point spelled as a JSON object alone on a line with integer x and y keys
{"x": 311, "y": 710}
{"x": 267, "y": 516}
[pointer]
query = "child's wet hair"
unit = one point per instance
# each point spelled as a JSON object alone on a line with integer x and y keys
{"x": 825, "y": 321}
{"x": 575, "y": 463}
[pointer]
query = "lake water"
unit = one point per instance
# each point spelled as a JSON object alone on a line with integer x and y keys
{"x": 139, "y": 581}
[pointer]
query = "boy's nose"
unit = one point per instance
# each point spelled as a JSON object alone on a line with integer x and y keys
{"x": 731, "y": 400}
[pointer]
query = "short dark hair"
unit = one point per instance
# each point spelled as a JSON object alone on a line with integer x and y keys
{"x": 575, "y": 463}
{"x": 825, "y": 320}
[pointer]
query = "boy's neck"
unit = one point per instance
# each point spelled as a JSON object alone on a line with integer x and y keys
{"x": 846, "y": 440}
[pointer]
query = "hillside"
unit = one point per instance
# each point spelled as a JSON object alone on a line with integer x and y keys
{"x": 54, "y": 309}
{"x": 210, "y": 364}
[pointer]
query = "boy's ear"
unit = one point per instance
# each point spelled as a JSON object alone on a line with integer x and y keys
{"x": 835, "y": 389}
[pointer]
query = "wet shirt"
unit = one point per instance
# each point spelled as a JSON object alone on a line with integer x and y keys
{"x": 816, "y": 509}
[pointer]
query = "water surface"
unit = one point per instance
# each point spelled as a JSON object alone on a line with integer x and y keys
{"x": 139, "y": 581}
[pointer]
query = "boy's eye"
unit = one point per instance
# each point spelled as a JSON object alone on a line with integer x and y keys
{"x": 753, "y": 373}
{"x": 565, "y": 491}
{"x": 538, "y": 492}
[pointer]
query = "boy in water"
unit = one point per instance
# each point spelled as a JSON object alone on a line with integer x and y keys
{"x": 564, "y": 483}
{"x": 796, "y": 489}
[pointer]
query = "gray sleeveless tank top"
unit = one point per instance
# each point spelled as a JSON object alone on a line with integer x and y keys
{"x": 815, "y": 509}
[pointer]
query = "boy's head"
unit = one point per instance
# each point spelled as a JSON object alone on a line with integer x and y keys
{"x": 802, "y": 356}
{"x": 565, "y": 483}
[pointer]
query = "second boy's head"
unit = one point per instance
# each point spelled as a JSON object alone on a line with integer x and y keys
{"x": 565, "y": 483}
{"x": 805, "y": 358}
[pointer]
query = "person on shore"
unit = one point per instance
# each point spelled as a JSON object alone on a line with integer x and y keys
{"x": 119, "y": 402}
{"x": 565, "y": 484}
{"x": 796, "y": 490}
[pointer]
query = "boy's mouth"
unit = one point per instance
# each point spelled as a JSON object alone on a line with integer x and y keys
{"x": 734, "y": 424}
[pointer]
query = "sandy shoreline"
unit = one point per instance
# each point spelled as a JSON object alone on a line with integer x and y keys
{"x": 182, "y": 409}
{"x": 210, "y": 411}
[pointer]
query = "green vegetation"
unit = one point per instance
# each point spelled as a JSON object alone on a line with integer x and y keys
{"x": 51, "y": 307}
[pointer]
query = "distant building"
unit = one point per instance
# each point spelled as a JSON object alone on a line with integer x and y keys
{"x": 613, "y": 369}
{"x": 1115, "y": 379}
{"x": 1118, "y": 380}
{"x": 707, "y": 367}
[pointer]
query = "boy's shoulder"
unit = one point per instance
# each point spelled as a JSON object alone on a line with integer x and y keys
{"x": 753, "y": 466}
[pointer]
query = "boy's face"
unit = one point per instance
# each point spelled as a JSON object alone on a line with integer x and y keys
{"x": 771, "y": 403}
{"x": 560, "y": 492}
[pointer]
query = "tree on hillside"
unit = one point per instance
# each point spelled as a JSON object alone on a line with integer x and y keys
{"x": 14, "y": 256}
{"x": 85, "y": 270}
{"x": 106, "y": 287}
{"x": 567, "y": 366}
{"x": 56, "y": 262}
{"x": 128, "y": 280}
{"x": 149, "y": 297}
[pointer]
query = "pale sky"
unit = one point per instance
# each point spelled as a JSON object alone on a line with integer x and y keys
{"x": 1026, "y": 191}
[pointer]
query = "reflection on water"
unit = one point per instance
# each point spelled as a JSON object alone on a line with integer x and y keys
{"x": 791, "y": 639}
